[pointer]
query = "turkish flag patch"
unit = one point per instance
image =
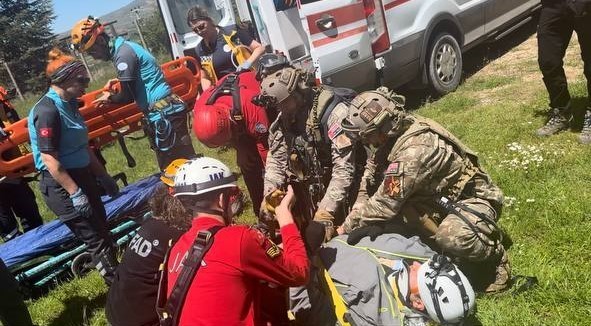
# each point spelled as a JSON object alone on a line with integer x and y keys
{"x": 393, "y": 168}
{"x": 45, "y": 132}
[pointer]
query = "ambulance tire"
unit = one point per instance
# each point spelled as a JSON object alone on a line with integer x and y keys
{"x": 81, "y": 264}
{"x": 444, "y": 67}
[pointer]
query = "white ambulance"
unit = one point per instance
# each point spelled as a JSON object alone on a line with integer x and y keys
{"x": 363, "y": 43}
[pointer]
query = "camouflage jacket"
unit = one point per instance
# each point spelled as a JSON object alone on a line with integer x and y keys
{"x": 327, "y": 147}
{"x": 404, "y": 176}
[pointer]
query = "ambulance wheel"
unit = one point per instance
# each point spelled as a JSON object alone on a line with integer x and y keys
{"x": 81, "y": 264}
{"x": 444, "y": 67}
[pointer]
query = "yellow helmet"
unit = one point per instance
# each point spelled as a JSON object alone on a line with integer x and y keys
{"x": 85, "y": 32}
{"x": 171, "y": 170}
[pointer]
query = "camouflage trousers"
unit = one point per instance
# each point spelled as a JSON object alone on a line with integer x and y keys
{"x": 479, "y": 242}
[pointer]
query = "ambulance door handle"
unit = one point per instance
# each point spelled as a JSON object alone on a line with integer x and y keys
{"x": 325, "y": 22}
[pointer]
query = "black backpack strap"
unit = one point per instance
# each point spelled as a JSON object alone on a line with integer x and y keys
{"x": 170, "y": 314}
{"x": 230, "y": 86}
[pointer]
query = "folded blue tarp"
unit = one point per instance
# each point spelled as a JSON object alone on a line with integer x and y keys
{"x": 55, "y": 233}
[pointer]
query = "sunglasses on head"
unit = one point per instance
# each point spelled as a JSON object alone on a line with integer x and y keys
{"x": 82, "y": 80}
{"x": 199, "y": 27}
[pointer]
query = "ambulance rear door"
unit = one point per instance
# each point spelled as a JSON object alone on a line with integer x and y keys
{"x": 340, "y": 44}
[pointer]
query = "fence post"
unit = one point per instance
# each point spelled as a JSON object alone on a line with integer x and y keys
{"x": 137, "y": 26}
{"x": 20, "y": 95}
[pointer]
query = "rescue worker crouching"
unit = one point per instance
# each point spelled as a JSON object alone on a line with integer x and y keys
{"x": 422, "y": 177}
{"x": 223, "y": 290}
{"x": 308, "y": 146}
{"x": 69, "y": 168}
{"x": 224, "y": 115}
{"x": 132, "y": 296}
{"x": 142, "y": 81}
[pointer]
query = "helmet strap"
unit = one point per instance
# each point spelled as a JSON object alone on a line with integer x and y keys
{"x": 443, "y": 267}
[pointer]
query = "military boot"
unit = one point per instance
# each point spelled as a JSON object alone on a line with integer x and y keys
{"x": 557, "y": 122}
{"x": 502, "y": 280}
{"x": 585, "y": 136}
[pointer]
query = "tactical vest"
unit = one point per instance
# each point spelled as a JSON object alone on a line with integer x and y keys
{"x": 316, "y": 145}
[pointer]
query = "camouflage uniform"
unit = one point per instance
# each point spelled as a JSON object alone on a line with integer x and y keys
{"x": 324, "y": 144}
{"x": 408, "y": 174}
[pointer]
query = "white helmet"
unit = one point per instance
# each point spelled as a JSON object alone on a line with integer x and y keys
{"x": 445, "y": 291}
{"x": 202, "y": 175}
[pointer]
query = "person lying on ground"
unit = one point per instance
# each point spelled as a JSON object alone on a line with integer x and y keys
{"x": 390, "y": 280}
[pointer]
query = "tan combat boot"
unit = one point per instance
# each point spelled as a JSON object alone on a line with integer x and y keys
{"x": 502, "y": 279}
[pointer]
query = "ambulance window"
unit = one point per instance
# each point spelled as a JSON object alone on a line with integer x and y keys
{"x": 179, "y": 9}
{"x": 309, "y": 1}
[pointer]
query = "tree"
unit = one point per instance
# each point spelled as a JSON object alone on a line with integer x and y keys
{"x": 155, "y": 34}
{"x": 26, "y": 38}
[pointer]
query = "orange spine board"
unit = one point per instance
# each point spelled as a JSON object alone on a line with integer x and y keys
{"x": 102, "y": 122}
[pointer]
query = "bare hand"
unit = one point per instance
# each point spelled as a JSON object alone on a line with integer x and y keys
{"x": 110, "y": 85}
{"x": 283, "y": 210}
{"x": 341, "y": 230}
{"x": 102, "y": 100}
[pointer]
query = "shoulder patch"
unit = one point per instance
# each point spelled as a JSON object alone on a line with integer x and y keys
{"x": 393, "y": 186}
{"x": 342, "y": 141}
{"x": 273, "y": 251}
{"x": 45, "y": 132}
{"x": 394, "y": 168}
{"x": 334, "y": 130}
{"x": 260, "y": 128}
{"x": 122, "y": 66}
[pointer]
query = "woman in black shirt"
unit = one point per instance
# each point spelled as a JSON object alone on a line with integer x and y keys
{"x": 222, "y": 50}
{"x": 132, "y": 297}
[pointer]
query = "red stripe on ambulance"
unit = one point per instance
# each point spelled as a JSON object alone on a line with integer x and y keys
{"x": 340, "y": 36}
{"x": 342, "y": 16}
{"x": 394, "y": 3}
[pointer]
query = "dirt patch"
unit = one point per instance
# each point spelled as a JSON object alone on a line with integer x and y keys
{"x": 521, "y": 63}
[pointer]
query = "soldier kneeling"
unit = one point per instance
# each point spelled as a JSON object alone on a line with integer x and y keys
{"x": 425, "y": 180}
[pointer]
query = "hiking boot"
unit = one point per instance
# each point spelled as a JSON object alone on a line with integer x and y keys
{"x": 585, "y": 136}
{"x": 557, "y": 123}
{"x": 502, "y": 279}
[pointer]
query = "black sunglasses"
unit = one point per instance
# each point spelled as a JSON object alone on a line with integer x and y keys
{"x": 198, "y": 27}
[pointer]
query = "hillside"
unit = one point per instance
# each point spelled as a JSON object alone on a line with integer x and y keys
{"x": 124, "y": 17}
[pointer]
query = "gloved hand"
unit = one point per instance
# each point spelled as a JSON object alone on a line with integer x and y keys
{"x": 244, "y": 66}
{"x": 326, "y": 219}
{"x": 81, "y": 203}
{"x": 373, "y": 231}
{"x": 109, "y": 184}
{"x": 272, "y": 200}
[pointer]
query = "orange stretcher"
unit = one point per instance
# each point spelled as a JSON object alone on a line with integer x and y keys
{"x": 105, "y": 124}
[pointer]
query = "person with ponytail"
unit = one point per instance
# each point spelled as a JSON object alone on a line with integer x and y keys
{"x": 69, "y": 169}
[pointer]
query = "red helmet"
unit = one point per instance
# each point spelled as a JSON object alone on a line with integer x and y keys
{"x": 211, "y": 124}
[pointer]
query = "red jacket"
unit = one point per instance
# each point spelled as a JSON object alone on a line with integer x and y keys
{"x": 255, "y": 119}
{"x": 224, "y": 290}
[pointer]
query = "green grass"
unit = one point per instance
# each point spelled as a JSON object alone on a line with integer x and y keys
{"x": 547, "y": 215}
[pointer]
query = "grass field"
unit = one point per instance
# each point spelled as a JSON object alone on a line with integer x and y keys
{"x": 546, "y": 182}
